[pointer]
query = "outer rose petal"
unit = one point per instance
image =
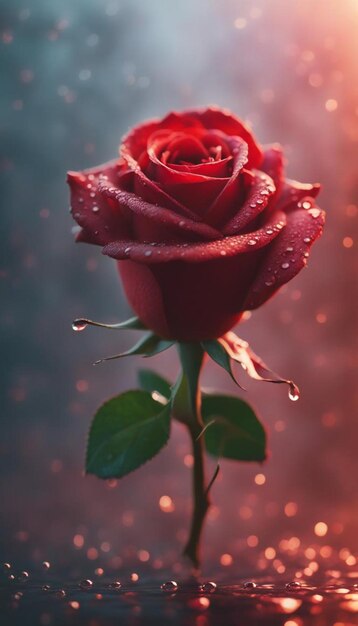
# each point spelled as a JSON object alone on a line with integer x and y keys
{"x": 155, "y": 223}
{"x": 287, "y": 255}
{"x": 260, "y": 190}
{"x": 197, "y": 252}
{"x": 101, "y": 220}
{"x": 189, "y": 302}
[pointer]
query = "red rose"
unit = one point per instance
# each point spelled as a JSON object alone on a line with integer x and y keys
{"x": 201, "y": 220}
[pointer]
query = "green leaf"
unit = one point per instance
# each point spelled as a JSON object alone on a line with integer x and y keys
{"x": 126, "y": 431}
{"x": 236, "y": 432}
{"x": 151, "y": 381}
{"x": 149, "y": 345}
{"x": 217, "y": 353}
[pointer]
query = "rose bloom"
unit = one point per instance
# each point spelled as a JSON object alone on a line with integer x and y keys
{"x": 200, "y": 218}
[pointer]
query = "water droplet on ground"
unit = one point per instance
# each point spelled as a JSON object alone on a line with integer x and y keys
{"x": 169, "y": 585}
{"x": 208, "y": 587}
{"x": 86, "y": 583}
{"x": 23, "y": 577}
{"x": 46, "y": 565}
{"x": 249, "y": 585}
{"x": 116, "y": 585}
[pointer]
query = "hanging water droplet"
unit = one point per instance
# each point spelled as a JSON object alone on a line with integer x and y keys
{"x": 252, "y": 242}
{"x": 116, "y": 585}
{"x": 86, "y": 583}
{"x": 79, "y": 325}
{"x": 169, "y": 586}
{"x": 208, "y": 587}
{"x": 23, "y": 577}
{"x": 249, "y": 585}
{"x": 293, "y": 392}
{"x": 46, "y": 564}
{"x": 285, "y": 266}
{"x": 294, "y": 584}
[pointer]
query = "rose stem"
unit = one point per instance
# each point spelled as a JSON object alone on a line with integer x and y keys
{"x": 187, "y": 408}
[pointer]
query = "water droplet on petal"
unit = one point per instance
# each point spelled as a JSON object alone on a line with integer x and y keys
{"x": 148, "y": 253}
{"x": 86, "y": 583}
{"x": 293, "y": 392}
{"x": 306, "y": 204}
{"x": 169, "y": 586}
{"x": 249, "y": 585}
{"x": 208, "y": 587}
{"x": 314, "y": 213}
{"x": 252, "y": 242}
{"x": 285, "y": 266}
{"x": 270, "y": 281}
{"x": 307, "y": 240}
{"x": 95, "y": 208}
{"x": 127, "y": 250}
{"x": 269, "y": 231}
{"x": 289, "y": 249}
{"x": 79, "y": 325}
{"x": 222, "y": 252}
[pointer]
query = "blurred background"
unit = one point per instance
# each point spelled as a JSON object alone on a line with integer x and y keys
{"x": 75, "y": 77}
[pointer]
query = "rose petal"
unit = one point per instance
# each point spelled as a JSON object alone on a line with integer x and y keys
{"x": 287, "y": 255}
{"x": 100, "y": 218}
{"x": 293, "y": 192}
{"x": 197, "y": 252}
{"x": 273, "y": 164}
{"x": 162, "y": 217}
{"x": 260, "y": 192}
{"x": 224, "y": 120}
{"x": 223, "y": 205}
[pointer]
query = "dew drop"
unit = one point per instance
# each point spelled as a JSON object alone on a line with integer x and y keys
{"x": 148, "y": 253}
{"x": 208, "y": 587}
{"x": 60, "y": 593}
{"x": 95, "y": 208}
{"x": 270, "y": 281}
{"x": 222, "y": 252}
{"x": 285, "y": 266}
{"x": 307, "y": 240}
{"x": 253, "y": 205}
{"x": 181, "y": 223}
{"x": 252, "y": 242}
{"x": 115, "y": 586}
{"x": 45, "y": 588}
{"x": 80, "y": 200}
{"x": 92, "y": 194}
{"x": 46, "y": 564}
{"x": 6, "y": 567}
{"x": 169, "y": 586}
{"x": 23, "y": 577}
{"x": 127, "y": 250}
{"x": 86, "y": 583}
{"x": 259, "y": 201}
{"x": 249, "y": 585}
{"x": 289, "y": 249}
{"x": 79, "y": 325}
{"x": 314, "y": 213}
{"x": 293, "y": 392}
{"x": 269, "y": 231}
{"x": 306, "y": 204}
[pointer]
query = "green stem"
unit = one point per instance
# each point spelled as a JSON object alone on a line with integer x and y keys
{"x": 187, "y": 409}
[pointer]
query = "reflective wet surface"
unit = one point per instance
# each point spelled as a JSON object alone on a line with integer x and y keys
{"x": 134, "y": 599}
